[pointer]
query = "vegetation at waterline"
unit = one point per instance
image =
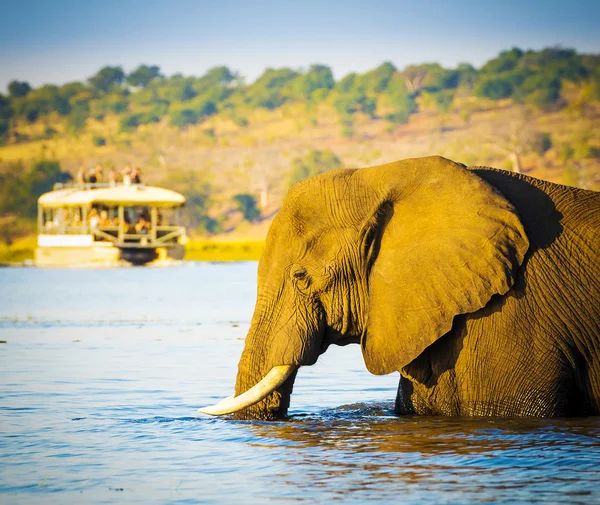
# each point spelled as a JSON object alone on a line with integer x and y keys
{"x": 18, "y": 251}
{"x": 212, "y": 250}
{"x": 22, "y": 250}
{"x": 233, "y": 148}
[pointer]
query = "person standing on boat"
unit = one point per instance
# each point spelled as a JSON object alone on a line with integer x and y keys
{"x": 136, "y": 176}
{"x": 94, "y": 218}
{"x": 126, "y": 173}
{"x": 81, "y": 175}
{"x": 113, "y": 176}
{"x": 99, "y": 172}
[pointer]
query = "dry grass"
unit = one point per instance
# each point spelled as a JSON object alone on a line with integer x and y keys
{"x": 241, "y": 159}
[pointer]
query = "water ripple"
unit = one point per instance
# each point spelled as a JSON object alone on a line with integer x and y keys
{"x": 101, "y": 379}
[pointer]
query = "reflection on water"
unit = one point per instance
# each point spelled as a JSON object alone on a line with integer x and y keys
{"x": 102, "y": 372}
{"x": 463, "y": 460}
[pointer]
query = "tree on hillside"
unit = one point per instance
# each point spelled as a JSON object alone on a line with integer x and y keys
{"x": 112, "y": 102}
{"x": 73, "y": 88}
{"x": 347, "y": 83}
{"x": 20, "y": 188}
{"x": 399, "y": 103}
{"x": 17, "y": 89}
{"x": 506, "y": 61}
{"x": 106, "y": 78}
{"x": 221, "y": 76}
{"x": 540, "y": 90}
{"x": 180, "y": 117}
{"x": 270, "y": 90}
{"x": 515, "y": 135}
{"x": 246, "y": 203}
{"x": 377, "y": 80}
{"x": 313, "y": 163}
{"x": 493, "y": 88}
{"x": 142, "y": 75}
{"x": 77, "y": 118}
{"x": 192, "y": 112}
{"x": 428, "y": 76}
{"x": 197, "y": 187}
{"x": 558, "y": 62}
{"x": 5, "y": 115}
{"x": 178, "y": 89}
{"x": 441, "y": 100}
{"x": 349, "y": 103}
{"x": 467, "y": 77}
{"x": 318, "y": 77}
{"x": 41, "y": 101}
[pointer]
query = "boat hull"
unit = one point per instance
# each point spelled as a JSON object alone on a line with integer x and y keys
{"x": 102, "y": 255}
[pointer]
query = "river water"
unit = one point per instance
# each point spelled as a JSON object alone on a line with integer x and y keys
{"x": 102, "y": 371}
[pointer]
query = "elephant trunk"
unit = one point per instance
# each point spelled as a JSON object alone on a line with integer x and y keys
{"x": 251, "y": 371}
{"x": 273, "y": 352}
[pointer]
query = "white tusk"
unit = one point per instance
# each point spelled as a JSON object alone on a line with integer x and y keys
{"x": 275, "y": 378}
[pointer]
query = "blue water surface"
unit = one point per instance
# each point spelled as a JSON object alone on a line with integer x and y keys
{"x": 102, "y": 371}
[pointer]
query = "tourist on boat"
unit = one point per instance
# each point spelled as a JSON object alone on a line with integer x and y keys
{"x": 94, "y": 218}
{"x": 127, "y": 221}
{"x": 60, "y": 219}
{"x": 142, "y": 226}
{"x": 136, "y": 176}
{"x": 126, "y": 173}
{"x": 99, "y": 172}
{"x": 113, "y": 176}
{"x": 81, "y": 175}
{"x": 104, "y": 219}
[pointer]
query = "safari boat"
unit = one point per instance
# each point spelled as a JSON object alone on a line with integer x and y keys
{"x": 105, "y": 223}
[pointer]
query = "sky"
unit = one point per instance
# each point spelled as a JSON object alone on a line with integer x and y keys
{"x": 60, "y": 41}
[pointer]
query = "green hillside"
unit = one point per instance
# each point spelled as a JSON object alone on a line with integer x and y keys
{"x": 233, "y": 148}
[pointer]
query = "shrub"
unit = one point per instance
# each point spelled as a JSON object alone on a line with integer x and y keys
{"x": 99, "y": 141}
{"x": 207, "y": 224}
{"x": 76, "y": 119}
{"x": 541, "y": 143}
{"x": 182, "y": 117}
{"x": 49, "y": 132}
{"x": 132, "y": 121}
{"x": 493, "y": 88}
{"x": 247, "y": 205}
{"x": 313, "y": 163}
{"x": 539, "y": 90}
{"x": 401, "y": 102}
{"x": 240, "y": 120}
{"x": 20, "y": 188}
{"x": 128, "y": 122}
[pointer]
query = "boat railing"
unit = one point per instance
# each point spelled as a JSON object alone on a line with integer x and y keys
{"x": 92, "y": 185}
{"x": 159, "y": 236}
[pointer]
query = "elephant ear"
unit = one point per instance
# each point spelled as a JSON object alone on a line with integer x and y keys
{"x": 448, "y": 242}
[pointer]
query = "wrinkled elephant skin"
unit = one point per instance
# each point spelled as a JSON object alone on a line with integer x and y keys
{"x": 480, "y": 287}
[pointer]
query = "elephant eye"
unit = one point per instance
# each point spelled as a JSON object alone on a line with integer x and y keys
{"x": 299, "y": 274}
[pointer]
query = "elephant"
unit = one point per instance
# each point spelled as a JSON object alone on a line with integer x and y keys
{"x": 481, "y": 287}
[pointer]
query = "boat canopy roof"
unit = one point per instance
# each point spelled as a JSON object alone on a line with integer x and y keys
{"x": 131, "y": 195}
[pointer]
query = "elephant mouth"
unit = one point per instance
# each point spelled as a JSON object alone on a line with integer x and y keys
{"x": 270, "y": 382}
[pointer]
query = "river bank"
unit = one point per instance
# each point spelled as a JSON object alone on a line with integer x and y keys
{"x": 21, "y": 251}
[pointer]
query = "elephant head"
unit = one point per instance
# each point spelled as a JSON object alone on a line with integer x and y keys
{"x": 384, "y": 256}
